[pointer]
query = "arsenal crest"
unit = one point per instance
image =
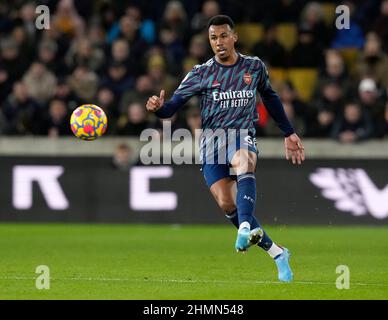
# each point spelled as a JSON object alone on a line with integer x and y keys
{"x": 247, "y": 78}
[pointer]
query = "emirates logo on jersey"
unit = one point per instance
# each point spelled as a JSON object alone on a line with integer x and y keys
{"x": 247, "y": 78}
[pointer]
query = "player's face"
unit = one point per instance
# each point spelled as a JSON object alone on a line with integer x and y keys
{"x": 222, "y": 39}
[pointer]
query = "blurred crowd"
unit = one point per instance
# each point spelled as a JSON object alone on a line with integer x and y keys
{"x": 116, "y": 54}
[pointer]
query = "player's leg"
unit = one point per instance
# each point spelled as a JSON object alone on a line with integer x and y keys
{"x": 244, "y": 163}
{"x": 223, "y": 189}
{"x": 224, "y": 192}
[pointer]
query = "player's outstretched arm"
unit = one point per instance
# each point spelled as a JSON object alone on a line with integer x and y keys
{"x": 154, "y": 103}
{"x": 294, "y": 149}
{"x": 162, "y": 109}
{"x": 189, "y": 87}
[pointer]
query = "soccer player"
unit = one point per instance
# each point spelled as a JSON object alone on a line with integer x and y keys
{"x": 227, "y": 86}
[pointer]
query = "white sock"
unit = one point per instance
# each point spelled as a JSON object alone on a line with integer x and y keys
{"x": 275, "y": 250}
{"x": 244, "y": 224}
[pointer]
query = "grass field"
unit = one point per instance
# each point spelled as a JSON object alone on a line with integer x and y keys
{"x": 187, "y": 262}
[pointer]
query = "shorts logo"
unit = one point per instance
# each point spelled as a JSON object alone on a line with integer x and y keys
{"x": 247, "y": 78}
{"x": 250, "y": 141}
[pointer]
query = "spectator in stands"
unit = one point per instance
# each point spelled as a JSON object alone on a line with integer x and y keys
{"x": 107, "y": 101}
{"x": 134, "y": 122}
{"x": 272, "y": 129}
{"x": 62, "y": 41}
{"x": 386, "y": 121}
{"x": 134, "y": 13}
{"x": 84, "y": 83}
{"x": 108, "y": 16}
{"x": 5, "y": 18}
{"x": 173, "y": 50}
{"x": 353, "y": 126}
{"x": 280, "y": 11}
{"x": 25, "y": 44}
{"x": 175, "y": 18}
{"x": 210, "y": 8}
{"x": 352, "y": 37}
{"x": 2, "y": 123}
{"x": 120, "y": 51}
{"x": 313, "y": 16}
{"x": 56, "y": 122}
{"x": 146, "y": 25}
{"x": 371, "y": 101}
{"x": 125, "y": 35}
{"x": 142, "y": 91}
{"x": 118, "y": 79}
{"x": 12, "y": 66}
{"x": 96, "y": 35}
{"x": 47, "y": 55}
{"x": 67, "y": 20}
{"x": 373, "y": 61}
{"x": 306, "y": 53}
{"x": 20, "y": 112}
{"x": 81, "y": 53}
{"x": 334, "y": 70}
{"x": 380, "y": 24}
{"x": 63, "y": 92}
{"x": 123, "y": 157}
{"x": 295, "y": 110}
{"x": 159, "y": 77}
{"x": 269, "y": 48}
{"x": 5, "y": 84}
{"x": 332, "y": 97}
{"x": 41, "y": 83}
{"x": 325, "y": 120}
{"x": 198, "y": 53}
{"x": 129, "y": 31}
{"x": 302, "y": 114}
{"x": 28, "y": 17}
{"x": 328, "y": 107}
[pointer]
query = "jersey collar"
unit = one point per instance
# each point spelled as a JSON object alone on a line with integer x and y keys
{"x": 228, "y": 65}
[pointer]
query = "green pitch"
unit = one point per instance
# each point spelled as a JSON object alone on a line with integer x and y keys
{"x": 188, "y": 262}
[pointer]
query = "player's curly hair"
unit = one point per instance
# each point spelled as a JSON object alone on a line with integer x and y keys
{"x": 220, "y": 20}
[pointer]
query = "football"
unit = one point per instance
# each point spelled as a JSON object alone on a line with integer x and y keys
{"x": 88, "y": 122}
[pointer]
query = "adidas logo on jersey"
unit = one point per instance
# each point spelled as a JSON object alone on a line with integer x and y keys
{"x": 216, "y": 84}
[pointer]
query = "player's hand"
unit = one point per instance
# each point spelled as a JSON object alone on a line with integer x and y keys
{"x": 294, "y": 149}
{"x": 154, "y": 103}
